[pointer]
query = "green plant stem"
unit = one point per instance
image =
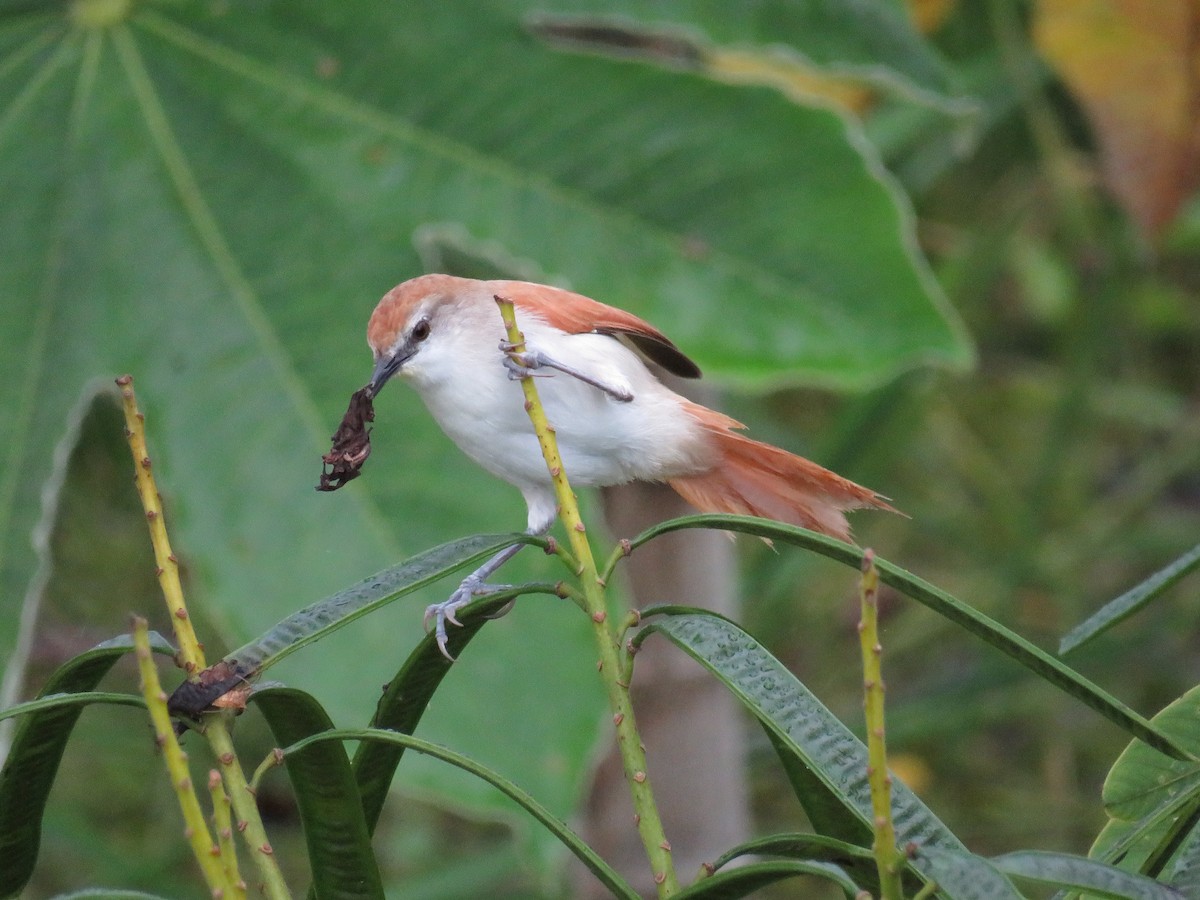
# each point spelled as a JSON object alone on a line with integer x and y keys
{"x": 191, "y": 655}
{"x": 223, "y": 824}
{"x": 887, "y": 857}
{"x": 191, "y": 659}
{"x": 633, "y": 755}
{"x": 245, "y": 808}
{"x": 204, "y": 848}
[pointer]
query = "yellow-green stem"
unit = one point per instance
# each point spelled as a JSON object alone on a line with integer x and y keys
{"x": 887, "y": 856}
{"x": 191, "y": 655}
{"x": 633, "y": 755}
{"x": 204, "y": 848}
{"x": 245, "y": 807}
{"x": 223, "y": 825}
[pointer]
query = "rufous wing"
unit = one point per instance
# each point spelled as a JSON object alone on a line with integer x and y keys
{"x": 577, "y": 314}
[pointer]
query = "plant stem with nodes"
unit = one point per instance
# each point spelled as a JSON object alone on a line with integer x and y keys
{"x": 204, "y": 848}
{"x": 887, "y": 857}
{"x": 633, "y": 754}
{"x": 191, "y": 660}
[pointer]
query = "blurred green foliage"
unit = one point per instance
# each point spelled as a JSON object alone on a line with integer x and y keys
{"x": 1058, "y": 473}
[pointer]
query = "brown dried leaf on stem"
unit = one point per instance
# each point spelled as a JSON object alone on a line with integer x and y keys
{"x": 218, "y": 681}
{"x": 351, "y": 443}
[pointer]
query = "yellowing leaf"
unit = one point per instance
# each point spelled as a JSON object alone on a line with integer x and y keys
{"x": 1134, "y": 66}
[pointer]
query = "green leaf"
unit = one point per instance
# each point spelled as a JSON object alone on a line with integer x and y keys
{"x": 856, "y": 861}
{"x": 746, "y": 880}
{"x": 605, "y": 873}
{"x": 1002, "y": 638}
{"x": 108, "y": 894}
{"x": 1146, "y": 844}
{"x": 965, "y": 876}
{"x": 37, "y": 749}
{"x": 1131, "y": 601}
{"x": 803, "y": 726}
{"x": 1142, "y": 778}
{"x": 407, "y": 695}
{"x": 873, "y": 39}
{"x": 213, "y": 196}
{"x": 1061, "y": 870}
{"x": 1184, "y": 875}
{"x": 827, "y": 813}
{"x": 71, "y": 701}
{"x": 325, "y": 616}
{"x": 339, "y": 842}
{"x": 1153, "y": 801}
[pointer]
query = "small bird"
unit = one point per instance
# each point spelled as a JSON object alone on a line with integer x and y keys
{"x": 614, "y": 420}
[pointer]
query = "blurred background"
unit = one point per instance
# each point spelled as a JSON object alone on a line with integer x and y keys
{"x": 948, "y": 249}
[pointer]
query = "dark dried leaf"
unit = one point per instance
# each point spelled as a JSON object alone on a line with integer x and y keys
{"x": 351, "y": 443}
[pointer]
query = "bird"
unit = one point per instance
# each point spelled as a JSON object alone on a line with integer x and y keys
{"x": 614, "y": 419}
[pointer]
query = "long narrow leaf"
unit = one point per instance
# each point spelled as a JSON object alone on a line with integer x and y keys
{"x": 1130, "y": 602}
{"x": 966, "y": 876}
{"x": 1185, "y": 871}
{"x": 109, "y": 894}
{"x": 37, "y": 749}
{"x": 325, "y": 616}
{"x": 328, "y": 615}
{"x": 1002, "y": 638}
{"x": 805, "y": 728}
{"x": 827, "y": 813}
{"x": 745, "y": 881}
{"x": 339, "y": 843}
{"x": 602, "y": 870}
{"x": 1061, "y": 870}
{"x": 71, "y": 701}
{"x": 408, "y": 694}
{"x": 857, "y": 861}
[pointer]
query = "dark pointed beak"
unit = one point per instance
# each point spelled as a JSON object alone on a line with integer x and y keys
{"x": 385, "y": 368}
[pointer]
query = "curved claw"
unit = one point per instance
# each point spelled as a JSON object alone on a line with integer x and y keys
{"x": 447, "y": 610}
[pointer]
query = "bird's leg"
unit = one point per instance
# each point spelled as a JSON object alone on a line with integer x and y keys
{"x": 471, "y": 587}
{"x": 520, "y": 364}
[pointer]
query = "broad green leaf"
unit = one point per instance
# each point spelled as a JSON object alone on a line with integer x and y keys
{"x": 339, "y": 842}
{"x": 1002, "y": 638}
{"x": 37, "y": 748}
{"x": 1146, "y": 844}
{"x": 542, "y": 814}
{"x": 1061, "y": 870}
{"x": 747, "y": 880}
{"x": 1153, "y": 801}
{"x": 873, "y": 40}
{"x": 804, "y": 727}
{"x": 1130, "y": 602}
{"x": 213, "y": 196}
{"x": 1142, "y": 777}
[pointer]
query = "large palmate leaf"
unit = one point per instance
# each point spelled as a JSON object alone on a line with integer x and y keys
{"x": 212, "y": 197}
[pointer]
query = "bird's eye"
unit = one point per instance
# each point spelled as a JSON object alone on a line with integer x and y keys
{"x": 420, "y": 330}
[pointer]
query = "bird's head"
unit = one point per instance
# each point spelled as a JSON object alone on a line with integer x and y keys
{"x": 411, "y": 322}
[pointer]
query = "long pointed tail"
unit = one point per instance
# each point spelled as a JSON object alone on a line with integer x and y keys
{"x": 757, "y": 479}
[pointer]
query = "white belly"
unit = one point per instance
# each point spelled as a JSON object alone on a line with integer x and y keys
{"x": 602, "y": 441}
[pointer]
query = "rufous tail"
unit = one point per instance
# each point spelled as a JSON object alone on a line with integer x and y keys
{"x": 756, "y": 479}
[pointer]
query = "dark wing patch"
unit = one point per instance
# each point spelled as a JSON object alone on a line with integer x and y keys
{"x": 657, "y": 350}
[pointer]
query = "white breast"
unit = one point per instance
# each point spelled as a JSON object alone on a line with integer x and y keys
{"x": 602, "y": 441}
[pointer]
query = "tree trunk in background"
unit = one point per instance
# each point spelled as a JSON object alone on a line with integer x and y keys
{"x": 691, "y": 727}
